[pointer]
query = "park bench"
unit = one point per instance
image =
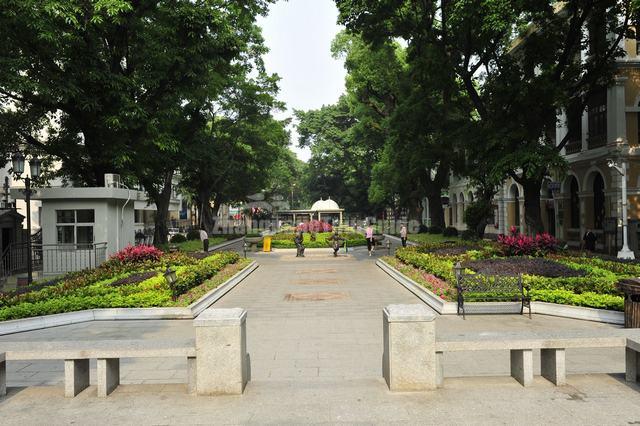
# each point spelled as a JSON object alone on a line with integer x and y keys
{"x": 490, "y": 288}
{"x": 76, "y": 356}
{"x": 552, "y": 354}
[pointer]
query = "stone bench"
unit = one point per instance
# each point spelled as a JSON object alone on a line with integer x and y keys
{"x": 413, "y": 357}
{"x": 632, "y": 361}
{"x": 552, "y": 354}
{"x": 76, "y": 356}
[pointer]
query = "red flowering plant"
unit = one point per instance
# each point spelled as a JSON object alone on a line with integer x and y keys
{"x": 524, "y": 245}
{"x": 315, "y": 226}
{"x": 137, "y": 254}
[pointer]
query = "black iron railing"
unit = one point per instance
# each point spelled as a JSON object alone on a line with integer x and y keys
{"x": 52, "y": 259}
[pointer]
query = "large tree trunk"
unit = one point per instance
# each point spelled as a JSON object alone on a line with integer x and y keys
{"x": 162, "y": 200}
{"x": 206, "y": 214}
{"x": 436, "y": 211}
{"x": 533, "y": 215}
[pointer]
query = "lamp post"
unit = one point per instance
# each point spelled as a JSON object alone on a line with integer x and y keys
{"x": 171, "y": 278}
{"x": 17, "y": 163}
{"x": 625, "y": 252}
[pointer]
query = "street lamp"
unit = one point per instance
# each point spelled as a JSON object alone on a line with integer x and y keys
{"x": 17, "y": 163}
{"x": 625, "y": 252}
{"x": 171, "y": 278}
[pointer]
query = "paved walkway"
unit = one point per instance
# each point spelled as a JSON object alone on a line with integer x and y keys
{"x": 315, "y": 341}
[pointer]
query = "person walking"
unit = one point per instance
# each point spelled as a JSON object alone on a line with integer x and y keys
{"x": 369, "y": 236}
{"x": 204, "y": 237}
{"x": 403, "y": 235}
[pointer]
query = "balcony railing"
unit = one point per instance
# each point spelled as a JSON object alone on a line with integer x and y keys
{"x": 573, "y": 147}
{"x": 596, "y": 142}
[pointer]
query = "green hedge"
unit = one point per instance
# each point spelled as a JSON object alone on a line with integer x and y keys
{"x": 281, "y": 240}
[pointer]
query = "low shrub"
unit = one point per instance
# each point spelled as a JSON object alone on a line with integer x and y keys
{"x": 450, "y": 231}
{"x": 524, "y": 245}
{"x": 423, "y": 229}
{"x": 588, "y": 299}
{"x": 193, "y": 234}
{"x": 439, "y": 266}
{"x": 469, "y": 235}
{"x": 435, "y": 229}
{"x": 178, "y": 238}
{"x": 188, "y": 278}
{"x": 137, "y": 254}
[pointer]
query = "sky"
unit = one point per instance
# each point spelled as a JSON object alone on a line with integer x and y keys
{"x": 299, "y": 34}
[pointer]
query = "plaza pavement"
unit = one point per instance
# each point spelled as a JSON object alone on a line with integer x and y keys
{"x": 314, "y": 331}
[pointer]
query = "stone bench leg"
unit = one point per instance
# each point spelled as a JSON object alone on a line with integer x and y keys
{"x": 409, "y": 357}
{"x": 522, "y": 366}
{"x": 76, "y": 376}
{"x": 632, "y": 365}
{"x": 3, "y": 376}
{"x": 221, "y": 350}
{"x": 191, "y": 374}
{"x": 439, "y": 369}
{"x": 553, "y": 366}
{"x": 108, "y": 375}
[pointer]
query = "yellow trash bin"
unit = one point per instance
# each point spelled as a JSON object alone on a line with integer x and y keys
{"x": 266, "y": 244}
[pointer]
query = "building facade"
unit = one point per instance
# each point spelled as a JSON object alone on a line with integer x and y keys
{"x": 588, "y": 194}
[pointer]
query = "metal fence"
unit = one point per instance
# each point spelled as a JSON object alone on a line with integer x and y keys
{"x": 52, "y": 259}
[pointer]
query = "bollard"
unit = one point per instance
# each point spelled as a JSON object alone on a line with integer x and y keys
{"x": 221, "y": 352}
{"x": 409, "y": 357}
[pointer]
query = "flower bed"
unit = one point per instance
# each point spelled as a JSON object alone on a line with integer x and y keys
{"x": 564, "y": 279}
{"x": 123, "y": 282}
{"x": 285, "y": 240}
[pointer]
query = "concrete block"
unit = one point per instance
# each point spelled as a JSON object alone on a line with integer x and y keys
{"x": 522, "y": 366}
{"x": 221, "y": 351}
{"x": 191, "y": 374}
{"x": 3, "y": 375}
{"x": 409, "y": 356}
{"x": 553, "y": 366}
{"x": 76, "y": 376}
{"x": 108, "y": 372}
{"x": 632, "y": 365}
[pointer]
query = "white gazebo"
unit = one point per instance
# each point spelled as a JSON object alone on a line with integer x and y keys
{"x": 321, "y": 207}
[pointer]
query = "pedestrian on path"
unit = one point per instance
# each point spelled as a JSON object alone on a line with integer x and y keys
{"x": 369, "y": 237}
{"x": 403, "y": 235}
{"x": 204, "y": 237}
{"x": 589, "y": 240}
{"x": 299, "y": 241}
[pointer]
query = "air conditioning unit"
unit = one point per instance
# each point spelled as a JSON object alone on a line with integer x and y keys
{"x": 111, "y": 180}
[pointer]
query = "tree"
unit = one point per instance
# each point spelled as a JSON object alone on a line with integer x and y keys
{"x": 110, "y": 86}
{"x": 516, "y": 62}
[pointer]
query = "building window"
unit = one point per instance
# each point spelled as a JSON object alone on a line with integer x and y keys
{"x": 574, "y": 204}
{"x": 598, "y": 202}
{"x": 598, "y": 119}
{"x": 138, "y": 216}
{"x": 75, "y": 227}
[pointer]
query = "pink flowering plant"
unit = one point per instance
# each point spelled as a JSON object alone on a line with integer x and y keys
{"x": 137, "y": 254}
{"x": 524, "y": 245}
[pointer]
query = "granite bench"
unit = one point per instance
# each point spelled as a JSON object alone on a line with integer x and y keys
{"x": 632, "y": 361}
{"x": 552, "y": 354}
{"x": 76, "y": 356}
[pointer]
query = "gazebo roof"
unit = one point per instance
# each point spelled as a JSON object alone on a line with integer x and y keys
{"x": 327, "y": 205}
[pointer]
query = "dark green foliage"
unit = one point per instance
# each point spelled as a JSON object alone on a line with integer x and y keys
{"x": 435, "y": 229}
{"x": 193, "y": 234}
{"x": 178, "y": 238}
{"x": 450, "y": 231}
